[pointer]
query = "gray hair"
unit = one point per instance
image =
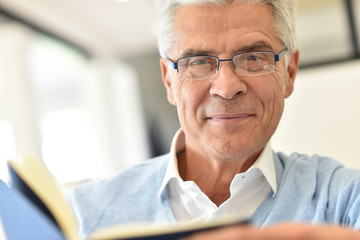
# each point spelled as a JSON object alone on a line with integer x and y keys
{"x": 284, "y": 12}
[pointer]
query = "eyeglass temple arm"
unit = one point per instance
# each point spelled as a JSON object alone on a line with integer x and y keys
{"x": 174, "y": 64}
{"x": 280, "y": 55}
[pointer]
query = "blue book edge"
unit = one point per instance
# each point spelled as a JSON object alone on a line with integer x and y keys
{"x": 23, "y": 220}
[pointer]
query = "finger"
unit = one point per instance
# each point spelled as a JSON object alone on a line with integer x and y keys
{"x": 279, "y": 232}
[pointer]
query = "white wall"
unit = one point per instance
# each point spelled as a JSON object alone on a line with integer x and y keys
{"x": 323, "y": 114}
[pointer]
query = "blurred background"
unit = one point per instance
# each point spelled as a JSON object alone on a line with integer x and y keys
{"x": 80, "y": 85}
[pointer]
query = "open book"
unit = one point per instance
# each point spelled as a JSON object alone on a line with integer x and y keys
{"x": 44, "y": 200}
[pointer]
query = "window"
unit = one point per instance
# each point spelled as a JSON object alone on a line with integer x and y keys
{"x": 7, "y": 142}
{"x": 82, "y": 116}
{"x": 323, "y": 31}
{"x": 69, "y": 142}
{"x": 357, "y": 21}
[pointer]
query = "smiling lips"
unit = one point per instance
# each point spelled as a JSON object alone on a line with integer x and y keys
{"x": 224, "y": 117}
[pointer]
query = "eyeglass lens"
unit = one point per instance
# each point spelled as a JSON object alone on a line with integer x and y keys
{"x": 246, "y": 64}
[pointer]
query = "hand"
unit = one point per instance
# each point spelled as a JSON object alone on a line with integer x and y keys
{"x": 286, "y": 231}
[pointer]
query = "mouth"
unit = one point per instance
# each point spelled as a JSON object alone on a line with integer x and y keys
{"x": 228, "y": 117}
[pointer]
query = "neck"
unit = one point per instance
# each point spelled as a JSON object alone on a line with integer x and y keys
{"x": 212, "y": 175}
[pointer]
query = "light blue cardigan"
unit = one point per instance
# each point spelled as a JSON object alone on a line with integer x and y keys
{"x": 310, "y": 189}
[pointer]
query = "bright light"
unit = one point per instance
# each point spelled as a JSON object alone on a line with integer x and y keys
{"x": 7, "y": 149}
{"x": 71, "y": 150}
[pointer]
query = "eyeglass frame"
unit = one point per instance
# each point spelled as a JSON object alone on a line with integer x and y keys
{"x": 277, "y": 58}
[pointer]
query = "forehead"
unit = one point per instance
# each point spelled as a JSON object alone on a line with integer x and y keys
{"x": 223, "y": 29}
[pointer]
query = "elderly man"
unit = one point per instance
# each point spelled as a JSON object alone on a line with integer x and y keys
{"x": 228, "y": 66}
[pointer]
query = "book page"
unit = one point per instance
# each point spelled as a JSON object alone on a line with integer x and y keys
{"x": 2, "y": 232}
{"x": 165, "y": 231}
{"x": 35, "y": 174}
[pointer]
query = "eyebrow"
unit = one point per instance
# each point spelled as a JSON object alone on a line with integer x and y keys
{"x": 256, "y": 46}
{"x": 194, "y": 52}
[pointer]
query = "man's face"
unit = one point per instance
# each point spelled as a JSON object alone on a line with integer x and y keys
{"x": 228, "y": 117}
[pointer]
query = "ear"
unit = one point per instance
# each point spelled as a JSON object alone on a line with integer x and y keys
{"x": 292, "y": 70}
{"x": 165, "y": 73}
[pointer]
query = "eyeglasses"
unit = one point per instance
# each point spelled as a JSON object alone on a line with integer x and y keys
{"x": 245, "y": 64}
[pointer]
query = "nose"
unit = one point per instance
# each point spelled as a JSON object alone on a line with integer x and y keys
{"x": 227, "y": 84}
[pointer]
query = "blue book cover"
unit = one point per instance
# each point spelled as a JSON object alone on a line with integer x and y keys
{"x": 22, "y": 220}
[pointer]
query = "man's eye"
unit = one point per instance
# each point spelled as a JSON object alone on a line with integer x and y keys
{"x": 253, "y": 58}
{"x": 199, "y": 61}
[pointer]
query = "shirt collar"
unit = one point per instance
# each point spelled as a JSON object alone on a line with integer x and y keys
{"x": 172, "y": 170}
{"x": 265, "y": 163}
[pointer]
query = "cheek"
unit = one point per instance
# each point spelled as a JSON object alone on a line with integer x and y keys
{"x": 190, "y": 98}
{"x": 178, "y": 90}
{"x": 191, "y": 93}
{"x": 274, "y": 86}
{"x": 270, "y": 92}
{"x": 280, "y": 81}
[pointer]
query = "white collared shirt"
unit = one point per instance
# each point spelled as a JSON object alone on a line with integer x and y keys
{"x": 247, "y": 190}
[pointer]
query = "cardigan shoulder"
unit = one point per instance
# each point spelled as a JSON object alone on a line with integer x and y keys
{"x": 131, "y": 195}
{"x": 313, "y": 189}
